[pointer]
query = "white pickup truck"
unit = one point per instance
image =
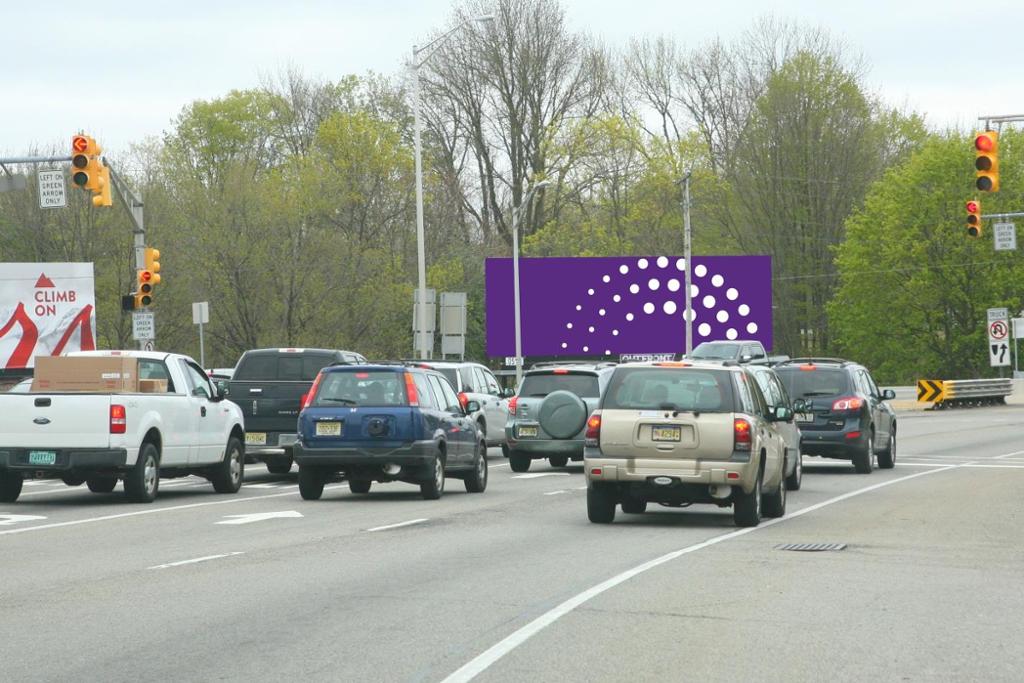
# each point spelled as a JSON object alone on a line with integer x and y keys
{"x": 187, "y": 427}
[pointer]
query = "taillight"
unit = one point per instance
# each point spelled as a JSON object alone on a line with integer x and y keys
{"x": 308, "y": 399}
{"x": 512, "y": 403}
{"x": 593, "y": 429}
{"x": 463, "y": 400}
{"x": 118, "y": 419}
{"x": 560, "y": 371}
{"x": 410, "y": 390}
{"x": 741, "y": 436}
{"x": 848, "y": 404}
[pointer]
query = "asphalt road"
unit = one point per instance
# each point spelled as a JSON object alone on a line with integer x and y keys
{"x": 514, "y": 584}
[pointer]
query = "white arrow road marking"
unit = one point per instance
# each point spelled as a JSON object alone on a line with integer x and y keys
{"x": 400, "y": 524}
{"x": 8, "y": 520}
{"x": 259, "y": 517}
{"x": 198, "y": 559}
{"x": 535, "y": 475}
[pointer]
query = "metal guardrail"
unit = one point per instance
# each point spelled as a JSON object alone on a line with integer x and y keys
{"x": 972, "y": 392}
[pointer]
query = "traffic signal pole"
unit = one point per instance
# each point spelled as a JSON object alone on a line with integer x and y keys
{"x": 133, "y": 204}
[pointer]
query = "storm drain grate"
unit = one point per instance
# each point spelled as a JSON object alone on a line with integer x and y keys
{"x": 812, "y": 547}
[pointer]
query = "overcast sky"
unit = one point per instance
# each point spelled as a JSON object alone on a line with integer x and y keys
{"x": 148, "y": 60}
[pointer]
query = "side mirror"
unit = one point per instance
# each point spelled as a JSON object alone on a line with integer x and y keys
{"x": 800, "y": 406}
{"x": 472, "y": 407}
{"x": 888, "y": 395}
{"x": 746, "y": 358}
{"x": 508, "y": 393}
{"x": 222, "y": 388}
{"x": 783, "y": 414}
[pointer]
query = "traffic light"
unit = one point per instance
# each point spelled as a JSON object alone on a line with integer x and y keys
{"x": 147, "y": 278}
{"x": 974, "y": 218}
{"x": 144, "y": 288}
{"x": 88, "y": 171}
{"x": 986, "y": 152}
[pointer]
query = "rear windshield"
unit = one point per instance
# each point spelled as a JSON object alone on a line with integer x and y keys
{"x": 804, "y": 382}
{"x": 706, "y": 391}
{"x": 358, "y": 388}
{"x": 541, "y": 384}
{"x": 715, "y": 351}
{"x": 450, "y": 374}
{"x": 282, "y": 367}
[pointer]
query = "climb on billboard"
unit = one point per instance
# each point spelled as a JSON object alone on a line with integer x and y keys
{"x": 46, "y": 309}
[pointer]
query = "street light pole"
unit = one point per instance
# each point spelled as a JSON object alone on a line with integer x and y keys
{"x": 424, "y": 349}
{"x": 515, "y": 276}
{"x": 421, "y": 254}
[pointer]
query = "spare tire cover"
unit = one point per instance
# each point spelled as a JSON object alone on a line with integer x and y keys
{"x": 562, "y": 414}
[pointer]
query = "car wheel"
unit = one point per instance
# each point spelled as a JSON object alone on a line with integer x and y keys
{"x": 227, "y": 475}
{"x": 482, "y": 428}
{"x": 311, "y": 483}
{"x": 359, "y": 485}
{"x": 600, "y": 504}
{"x": 519, "y": 462}
{"x": 142, "y": 481}
{"x": 279, "y": 465}
{"x": 775, "y": 502}
{"x": 504, "y": 450}
{"x": 73, "y": 481}
{"x": 476, "y": 481}
{"x": 864, "y": 462}
{"x": 634, "y": 506}
{"x": 887, "y": 458}
{"x": 434, "y": 488}
{"x": 10, "y": 486}
{"x": 795, "y": 480}
{"x": 559, "y": 460}
{"x": 746, "y": 510}
{"x": 101, "y": 484}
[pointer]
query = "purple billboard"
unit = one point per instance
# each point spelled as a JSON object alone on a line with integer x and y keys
{"x": 630, "y": 304}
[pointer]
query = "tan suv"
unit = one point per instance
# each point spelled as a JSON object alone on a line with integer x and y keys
{"x": 684, "y": 433}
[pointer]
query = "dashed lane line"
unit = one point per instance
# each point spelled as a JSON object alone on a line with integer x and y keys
{"x": 151, "y": 511}
{"x": 399, "y": 525}
{"x": 195, "y": 561}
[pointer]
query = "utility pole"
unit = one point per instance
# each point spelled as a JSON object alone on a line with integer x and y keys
{"x": 687, "y": 239}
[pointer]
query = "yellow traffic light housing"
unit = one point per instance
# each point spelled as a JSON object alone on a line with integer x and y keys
{"x": 986, "y": 162}
{"x": 144, "y": 280}
{"x": 974, "y": 218}
{"x": 88, "y": 171}
{"x": 152, "y": 264}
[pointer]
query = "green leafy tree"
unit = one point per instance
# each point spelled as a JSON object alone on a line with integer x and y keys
{"x": 913, "y": 287}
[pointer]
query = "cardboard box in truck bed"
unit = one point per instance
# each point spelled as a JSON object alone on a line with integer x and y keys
{"x": 86, "y": 373}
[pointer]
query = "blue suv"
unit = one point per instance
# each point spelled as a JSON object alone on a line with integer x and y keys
{"x": 387, "y": 423}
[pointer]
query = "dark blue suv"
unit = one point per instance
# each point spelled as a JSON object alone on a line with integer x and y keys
{"x": 387, "y": 423}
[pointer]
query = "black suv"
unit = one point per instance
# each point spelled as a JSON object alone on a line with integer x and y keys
{"x": 269, "y": 385}
{"x": 841, "y": 412}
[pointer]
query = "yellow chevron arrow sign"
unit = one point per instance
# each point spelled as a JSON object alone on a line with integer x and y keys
{"x": 931, "y": 390}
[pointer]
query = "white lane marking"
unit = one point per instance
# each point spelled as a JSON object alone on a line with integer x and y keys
{"x": 1001, "y": 467}
{"x": 197, "y": 560}
{"x": 582, "y": 488}
{"x": 263, "y": 486}
{"x": 152, "y": 511}
{"x": 494, "y": 467}
{"x": 555, "y": 493}
{"x": 44, "y": 482}
{"x": 484, "y": 660}
{"x": 537, "y": 475}
{"x": 1008, "y": 455}
{"x": 259, "y": 517}
{"x": 923, "y": 464}
{"x": 400, "y": 524}
{"x": 8, "y": 520}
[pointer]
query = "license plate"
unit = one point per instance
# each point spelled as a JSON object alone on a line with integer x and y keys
{"x": 256, "y": 438}
{"x": 328, "y": 429}
{"x": 527, "y": 431}
{"x": 42, "y": 457}
{"x": 804, "y": 417}
{"x": 666, "y": 434}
